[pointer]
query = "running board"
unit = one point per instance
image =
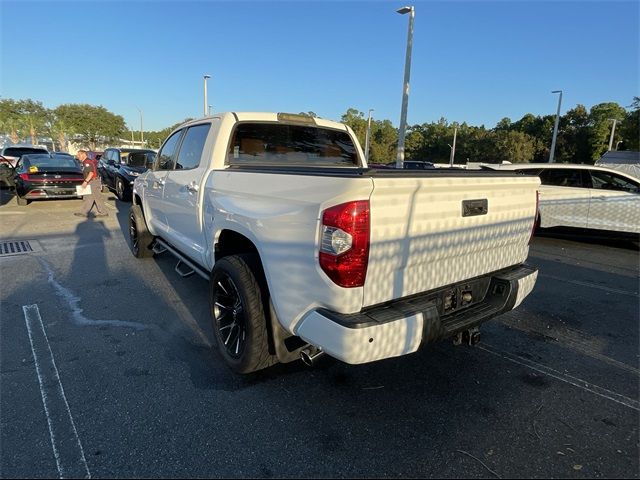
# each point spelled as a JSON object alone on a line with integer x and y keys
{"x": 182, "y": 260}
{"x": 157, "y": 248}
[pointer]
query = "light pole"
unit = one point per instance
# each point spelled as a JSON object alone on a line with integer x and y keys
{"x": 618, "y": 143}
{"x": 206, "y": 104}
{"x": 453, "y": 148}
{"x": 210, "y": 109}
{"x": 367, "y": 140}
{"x": 555, "y": 127}
{"x": 613, "y": 131}
{"x": 405, "y": 91}
{"x": 141, "y": 129}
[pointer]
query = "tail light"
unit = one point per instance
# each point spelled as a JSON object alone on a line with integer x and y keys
{"x": 536, "y": 216}
{"x": 24, "y": 176}
{"x": 344, "y": 248}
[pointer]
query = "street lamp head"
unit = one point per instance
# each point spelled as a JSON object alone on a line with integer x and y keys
{"x": 404, "y": 10}
{"x": 207, "y": 76}
{"x": 556, "y": 91}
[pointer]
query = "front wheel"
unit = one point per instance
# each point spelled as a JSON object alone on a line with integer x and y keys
{"x": 139, "y": 235}
{"x": 238, "y": 317}
{"x": 120, "y": 193}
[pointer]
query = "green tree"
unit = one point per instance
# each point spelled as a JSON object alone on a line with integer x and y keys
{"x": 33, "y": 116}
{"x": 10, "y": 118}
{"x": 629, "y": 130}
{"x": 513, "y": 146}
{"x": 91, "y": 123}
{"x": 600, "y": 120}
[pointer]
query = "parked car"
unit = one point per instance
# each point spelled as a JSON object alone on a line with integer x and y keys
{"x": 91, "y": 155}
{"x": 584, "y": 196}
{"x": 417, "y": 165}
{"x": 119, "y": 167}
{"x": 307, "y": 250}
{"x": 13, "y": 153}
{"x": 40, "y": 176}
{"x": 7, "y": 172}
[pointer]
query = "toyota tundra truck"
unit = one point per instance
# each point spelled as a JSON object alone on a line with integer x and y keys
{"x": 307, "y": 251}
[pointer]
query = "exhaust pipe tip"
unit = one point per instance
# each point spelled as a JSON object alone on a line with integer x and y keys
{"x": 310, "y": 356}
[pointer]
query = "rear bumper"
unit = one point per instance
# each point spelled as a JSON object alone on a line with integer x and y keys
{"x": 403, "y": 326}
{"x": 38, "y": 192}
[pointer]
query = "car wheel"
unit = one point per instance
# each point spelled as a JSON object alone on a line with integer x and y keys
{"x": 238, "y": 315}
{"x": 120, "y": 190}
{"x": 139, "y": 235}
{"x": 22, "y": 201}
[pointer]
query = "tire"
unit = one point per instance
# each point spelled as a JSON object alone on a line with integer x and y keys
{"x": 22, "y": 201}
{"x": 238, "y": 315}
{"x": 120, "y": 190}
{"x": 139, "y": 236}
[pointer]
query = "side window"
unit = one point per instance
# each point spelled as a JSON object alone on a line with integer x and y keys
{"x": 561, "y": 177}
{"x": 611, "y": 181}
{"x": 192, "y": 147}
{"x": 167, "y": 157}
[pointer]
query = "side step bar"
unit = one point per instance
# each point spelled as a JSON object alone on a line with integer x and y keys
{"x": 161, "y": 244}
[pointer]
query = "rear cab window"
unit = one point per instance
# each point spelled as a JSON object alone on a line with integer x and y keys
{"x": 283, "y": 144}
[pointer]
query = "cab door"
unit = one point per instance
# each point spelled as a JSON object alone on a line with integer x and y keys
{"x": 615, "y": 202}
{"x": 154, "y": 184}
{"x": 183, "y": 193}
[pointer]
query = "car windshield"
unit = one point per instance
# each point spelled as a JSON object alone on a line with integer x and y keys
{"x": 49, "y": 161}
{"x": 284, "y": 144}
{"x": 19, "y": 151}
{"x": 140, "y": 159}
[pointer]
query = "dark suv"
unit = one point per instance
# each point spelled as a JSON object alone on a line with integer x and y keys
{"x": 119, "y": 167}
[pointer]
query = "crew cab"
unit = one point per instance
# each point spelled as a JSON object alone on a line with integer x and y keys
{"x": 308, "y": 251}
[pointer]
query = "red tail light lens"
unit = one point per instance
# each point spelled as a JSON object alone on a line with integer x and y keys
{"x": 24, "y": 176}
{"x": 536, "y": 217}
{"x": 344, "y": 249}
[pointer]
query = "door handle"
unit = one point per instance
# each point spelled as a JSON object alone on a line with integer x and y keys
{"x": 601, "y": 197}
{"x": 192, "y": 187}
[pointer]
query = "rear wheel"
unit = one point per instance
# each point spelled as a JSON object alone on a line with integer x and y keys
{"x": 238, "y": 316}
{"x": 139, "y": 236}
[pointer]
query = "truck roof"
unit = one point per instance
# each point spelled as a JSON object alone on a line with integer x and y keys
{"x": 271, "y": 117}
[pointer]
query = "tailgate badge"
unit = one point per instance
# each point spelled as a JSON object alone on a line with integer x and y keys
{"x": 471, "y": 208}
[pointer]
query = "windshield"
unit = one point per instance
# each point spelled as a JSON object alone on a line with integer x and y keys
{"x": 284, "y": 144}
{"x": 139, "y": 159}
{"x": 19, "y": 151}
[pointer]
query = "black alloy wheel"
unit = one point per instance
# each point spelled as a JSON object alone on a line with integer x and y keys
{"x": 119, "y": 189}
{"x": 139, "y": 236}
{"x": 230, "y": 317}
{"x": 238, "y": 316}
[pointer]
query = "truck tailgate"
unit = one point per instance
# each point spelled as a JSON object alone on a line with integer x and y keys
{"x": 432, "y": 231}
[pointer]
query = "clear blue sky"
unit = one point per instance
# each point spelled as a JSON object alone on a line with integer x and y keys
{"x": 473, "y": 61}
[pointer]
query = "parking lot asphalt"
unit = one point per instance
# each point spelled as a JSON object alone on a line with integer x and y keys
{"x": 107, "y": 370}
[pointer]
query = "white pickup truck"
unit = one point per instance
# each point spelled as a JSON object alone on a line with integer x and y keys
{"x": 307, "y": 251}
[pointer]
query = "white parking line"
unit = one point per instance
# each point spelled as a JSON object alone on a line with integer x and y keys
{"x": 591, "y": 285}
{"x": 67, "y": 448}
{"x": 563, "y": 377}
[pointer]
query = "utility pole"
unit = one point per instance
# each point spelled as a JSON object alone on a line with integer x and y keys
{"x": 206, "y": 104}
{"x": 555, "y": 128}
{"x": 367, "y": 141}
{"x": 405, "y": 90}
{"x": 453, "y": 148}
{"x": 613, "y": 131}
